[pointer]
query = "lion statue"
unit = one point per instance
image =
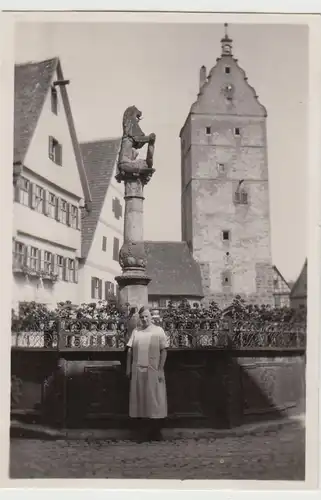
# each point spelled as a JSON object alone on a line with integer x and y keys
{"x": 132, "y": 140}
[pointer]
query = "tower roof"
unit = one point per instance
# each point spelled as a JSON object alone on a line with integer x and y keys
{"x": 225, "y": 90}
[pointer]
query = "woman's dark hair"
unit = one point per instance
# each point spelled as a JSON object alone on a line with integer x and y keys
{"x": 132, "y": 311}
{"x": 141, "y": 310}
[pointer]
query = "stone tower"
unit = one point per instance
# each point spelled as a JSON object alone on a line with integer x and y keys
{"x": 225, "y": 188}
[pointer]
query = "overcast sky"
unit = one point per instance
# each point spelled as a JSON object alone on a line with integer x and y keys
{"x": 156, "y": 67}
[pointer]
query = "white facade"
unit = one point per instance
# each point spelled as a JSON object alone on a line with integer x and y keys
{"x": 48, "y": 195}
{"x": 97, "y": 274}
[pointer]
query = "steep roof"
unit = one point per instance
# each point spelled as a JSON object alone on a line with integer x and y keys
{"x": 99, "y": 159}
{"x": 31, "y": 84}
{"x": 282, "y": 286}
{"x": 173, "y": 269}
{"x": 299, "y": 288}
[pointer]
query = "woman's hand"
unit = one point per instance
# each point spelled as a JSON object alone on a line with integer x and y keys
{"x": 161, "y": 376}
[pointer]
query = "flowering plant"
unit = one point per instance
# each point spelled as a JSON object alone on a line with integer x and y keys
{"x": 108, "y": 315}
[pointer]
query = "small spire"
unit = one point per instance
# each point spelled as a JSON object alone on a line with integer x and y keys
{"x": 226, "y": 42}
{"x": 225, "y": 28}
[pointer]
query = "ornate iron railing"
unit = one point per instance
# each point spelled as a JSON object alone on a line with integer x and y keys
{"x": 222, "y": 334}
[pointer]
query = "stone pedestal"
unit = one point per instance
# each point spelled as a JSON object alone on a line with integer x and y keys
{"x": 132, "y": 256}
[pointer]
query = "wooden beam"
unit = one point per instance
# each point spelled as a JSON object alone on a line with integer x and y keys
{"x": 61, "y": 82}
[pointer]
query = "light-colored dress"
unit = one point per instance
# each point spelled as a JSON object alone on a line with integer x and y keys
{"x": 148, "y": 397}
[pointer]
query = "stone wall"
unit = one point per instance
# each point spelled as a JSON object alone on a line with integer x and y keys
{"x": 206, "y": 387}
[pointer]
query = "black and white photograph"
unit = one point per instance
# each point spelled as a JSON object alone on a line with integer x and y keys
{"x": 159, "y": 273}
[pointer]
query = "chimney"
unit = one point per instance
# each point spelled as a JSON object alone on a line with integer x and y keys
{"x": 202, "y": 76}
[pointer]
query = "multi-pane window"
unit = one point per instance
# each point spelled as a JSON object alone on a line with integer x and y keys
{"x": 39, "y": 199}
{"x": 109, "y": 290}
{"x": 24, "y": 185}
{"x": 96, "y": 288}
{"x": 277, "y": 301}
{"x": 241, "y": 195}
{"x": 47, "y": 262}
{"x": 63, "y": 211}
{"x": 19, "y": 253}
{"x": 60, "y": 266}
{"x": 73, "y": 216}
{"x": 71, "y": 270}
{"x": 162, "y": 302}
{"x": 52, "y": 205}
{"x": 55, "y": 151}
{"x": 34, "y": 259}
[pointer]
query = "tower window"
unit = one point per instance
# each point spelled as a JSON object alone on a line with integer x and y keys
{"x": 237, "y": 131}
{"x": 241, "y": 195}
{"x": 208, "y": 130}
{"x": 227, "y": 70}
{"x": 221, "y": 168}
{"x": 226, "y": 235}
{"x": 226, "y": 278}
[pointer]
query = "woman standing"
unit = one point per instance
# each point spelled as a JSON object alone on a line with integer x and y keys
{"x": 145, "y": 366}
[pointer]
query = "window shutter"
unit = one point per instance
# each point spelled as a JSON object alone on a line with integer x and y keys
{"x": 78, "y": 221}
{"x": 68, "y": 215}
{"x": 40, "y": 260}
{"x": 107, "y": 289}
{"x": 26, "y": 255}
{"x": 54, "y": 100}
{"x": 116, "y": 249}
{"x": 32, "y": 195}
{"x": 53, "y": 262}
{"x": 112, "y": 289}
{"x": 51, "y": 148}
{"x": 45, "y": 202}
{"x": 58, "y": 209}
{"x": 100, "y": 289}
{"x": 93, "y": 287}
{"x": 65, "y": 270}
{"x": 76, "y": 271}
{"x": 58, "y": 154}
{"x": 17, "y": 191}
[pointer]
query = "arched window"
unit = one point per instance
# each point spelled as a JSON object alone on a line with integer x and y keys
{"x": 241, "y": 194}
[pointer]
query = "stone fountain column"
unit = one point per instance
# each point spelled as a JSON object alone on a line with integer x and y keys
{"x": 135, "y": 173}
{"x": 132, "y": 256}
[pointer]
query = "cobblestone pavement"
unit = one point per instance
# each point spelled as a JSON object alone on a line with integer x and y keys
{"x": 264, "y": 456}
